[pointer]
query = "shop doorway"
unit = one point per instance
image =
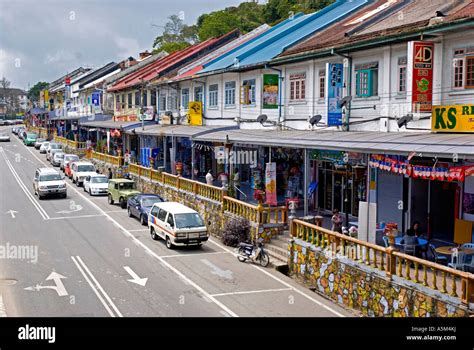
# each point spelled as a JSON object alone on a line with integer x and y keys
{"x": 442, "y": 206}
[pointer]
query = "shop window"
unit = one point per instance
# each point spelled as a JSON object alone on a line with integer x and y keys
{"x": 198, "y": 93}
{"x": 213, "y": 95}
{"x": 162, "y": 105}
{"x": 145, "y": 98}
{"x": 297, "y": 87}
{"x": 117, "y": 102}
{"x": 173, "y": 101}
{"x": 248, "y": 96}
{"x": 367, "y": 82}
{"x": 402, "y": 75}
{"x": 129, "y": 100}
{"x": 322, "y": 84}
{"x": 137, "y": 99}
{"x": 470, "y": 72}
{"x": 185, "y": 98}
{"x": 230, "y": 93}
{"x": 153, "y": 98}
{"x": 463, "y": 68}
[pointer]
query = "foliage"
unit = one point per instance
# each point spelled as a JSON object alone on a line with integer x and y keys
{"x": 235, "y": 231}
{"x": 278, "y": 10}
{"x": 34, "y": 92}
{"x": 176, "y": 36}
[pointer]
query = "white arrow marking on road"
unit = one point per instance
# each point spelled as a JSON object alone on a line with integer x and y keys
{"x": 136, "y": 279}
{"x": 59, "y": 287}
{"x": 12, "y": 213}
{"x": 77, "y": 207}
{"x": 227, "y": 274}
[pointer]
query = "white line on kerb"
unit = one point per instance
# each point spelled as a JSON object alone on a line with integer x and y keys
{"x": 148, "y": 250}
{"x": 23, "y": 187}
{"x": 76, "y": 217}
{"x": 284, "y": 283}
{"x": 96, "y": 287}
{"x": 251, "y": 292}
{"x": 191, "y": 255}
{"x": 138, "y": 230}
{"x": 3, "y": 311}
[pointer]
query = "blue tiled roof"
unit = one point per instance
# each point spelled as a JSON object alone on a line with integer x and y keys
{"x": 289, "y": 32}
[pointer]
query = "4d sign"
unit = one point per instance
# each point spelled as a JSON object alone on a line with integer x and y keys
{"x": 458, "y": 118}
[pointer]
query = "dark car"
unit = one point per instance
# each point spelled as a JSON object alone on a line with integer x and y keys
{"x": 140, "y": 206}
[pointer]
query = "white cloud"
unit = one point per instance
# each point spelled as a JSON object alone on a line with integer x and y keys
{"x": 59, "y": 56}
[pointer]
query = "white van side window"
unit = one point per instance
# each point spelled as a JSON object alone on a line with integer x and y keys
{"x": 170, "y": 220}
{"x": 154, "y": 211}
{"x": 162, "y": 215}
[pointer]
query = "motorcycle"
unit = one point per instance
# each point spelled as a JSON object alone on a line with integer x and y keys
{"x": 250, "y": 251}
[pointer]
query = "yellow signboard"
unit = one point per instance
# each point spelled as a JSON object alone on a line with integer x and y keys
{"x": 457, "y": 118}
{"x": 195, "y": 113}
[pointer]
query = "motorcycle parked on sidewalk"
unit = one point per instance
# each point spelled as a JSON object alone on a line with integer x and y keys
{"x": 250, "y": 251}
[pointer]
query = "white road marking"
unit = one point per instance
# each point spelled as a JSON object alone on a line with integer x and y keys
{"x": 216, "y": 270}
{"x": 76, "y": 217}
{"x": 190, "y": 255}
{"x": 284, "y": 283}
{"x": 12, "y": 213}
{"x": 38, "y": 207}
{"x": 76, "y": 208}
{"x": 114, "y": 211}
{"x": 135, "y": 278}
{"x": 96, "y": 287}
{"x": 252, "y": 292}
{"x": 139, "y": 230}
{"x": 3, "y": 311}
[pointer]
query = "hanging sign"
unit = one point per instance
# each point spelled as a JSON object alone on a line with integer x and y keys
{"x": 270, "y": 91}
{"x": 270, "y": 184}
{"x": 422, "y": 75}
{"x": 334, "y": 86}
{"x": 195, "y": 113}
{"x": 457, "y": 118}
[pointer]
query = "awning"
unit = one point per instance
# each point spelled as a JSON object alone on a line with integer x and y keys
{"x": 111, "y": 124}
{"x": 402, "y": 143}
{"x": 177, "y": 130}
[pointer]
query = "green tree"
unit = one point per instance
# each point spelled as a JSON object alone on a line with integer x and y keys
{"x": 218, "y": 23}
{"x": 176, "y": 36}
{"x": 34, "y": 92}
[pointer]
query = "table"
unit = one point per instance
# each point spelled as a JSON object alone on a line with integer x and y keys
{"x": 421, "y": 241}
{"x": 448, "y": 250}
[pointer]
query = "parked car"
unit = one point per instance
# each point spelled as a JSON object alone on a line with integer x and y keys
{"x": 49, "y": 181}
{"x": 52, "y": 146}
{"x": 44, "y": 146}
{"x": 39, "y": 141}
{"x": 139, "y": 206}
{"x": 2, "y": 122}
{"x": 177, "y": 224}
{"x": 52, "y": 153}
{"x": 79, "y": 170}
{"x": 120, "y": 190}
{"x": 57, "y": 157}
{"x": 4, "y": 137}
{"x": 19, "y": 130}
{"x": 96, "y": 184}
{"x": 14, "y": 130}
{"x": 22, "y": 134}
{"x": 68, "y": 158}
{"x": 30, "y": 139}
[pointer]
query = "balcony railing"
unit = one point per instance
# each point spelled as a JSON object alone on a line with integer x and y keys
{"x": 106, "y": 158}
{"x": 458, "y": 284}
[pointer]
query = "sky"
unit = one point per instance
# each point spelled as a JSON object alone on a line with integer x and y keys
{"x": 42, "y": 40}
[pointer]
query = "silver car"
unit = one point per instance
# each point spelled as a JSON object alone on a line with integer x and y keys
{"x": 49, "y": 181}
{"x": 44, "y": 146}
{"x": 4, "y": 137}
{"x": 68, "y": 158}
{"x": 56, "y": 157}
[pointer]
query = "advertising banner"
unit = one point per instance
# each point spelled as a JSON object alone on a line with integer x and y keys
{"x": 457, "y": 118}
{"x": 422, "y": 76}
{"x": 270, "y": 184}
{"x": 334, "y": 86}
{"x": 195, "y": 113}
{"x": 270, "y": 91}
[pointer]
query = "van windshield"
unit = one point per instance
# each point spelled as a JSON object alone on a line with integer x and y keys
{"x": 127, "y": 185}
{"x": 83, "y": 168}
{"x": 188, "y": 220}
{"x": 50, "y": 177}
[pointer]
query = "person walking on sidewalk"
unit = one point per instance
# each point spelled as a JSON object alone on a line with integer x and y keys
{"x": 209, "y": 178}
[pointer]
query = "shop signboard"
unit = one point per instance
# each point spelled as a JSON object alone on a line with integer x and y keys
{"x": 456, "y": 118}
{"x": 421, "y": 54}
{"x": 331, "y": 156}
{"x": 195, "y": 113}
{"x": 270, "y": 184}
{"x": 334, "y": 88}
{"x": 148, "y": 114}
{"x": 270, "y": 91}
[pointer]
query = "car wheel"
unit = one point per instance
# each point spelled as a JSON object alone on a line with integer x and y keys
{"x": 153, "y": 234}
{"x": 78, "y": 183}
{"x": 40, "y": 197}
{"x": 129, "y": 210}
{"x": 64, "y": 195}
{"x": 84, "y": 188}
{"x": 110, "y": 199}
{"x": 169, "y": 245}
{"x": 143, "y": 221}
{"x": 123, "y": 203}
{"x": 90, "y": 192}
{"x": 73, "y": 181}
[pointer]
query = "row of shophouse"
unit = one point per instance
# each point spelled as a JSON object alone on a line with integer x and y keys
{"x": 361, "y": 102}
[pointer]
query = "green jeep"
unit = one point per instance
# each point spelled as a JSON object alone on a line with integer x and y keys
{"x": 120, "y": 190}
{"x": 30, "y": 139}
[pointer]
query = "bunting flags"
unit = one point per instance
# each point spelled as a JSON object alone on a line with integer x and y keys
{"x": 436, "y": 172}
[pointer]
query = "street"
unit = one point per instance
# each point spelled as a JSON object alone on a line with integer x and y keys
{"x": 80, "y": 256}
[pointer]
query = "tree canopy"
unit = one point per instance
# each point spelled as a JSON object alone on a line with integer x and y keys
{"x": 34, "y": 91}
{"x": 176, "y": 36}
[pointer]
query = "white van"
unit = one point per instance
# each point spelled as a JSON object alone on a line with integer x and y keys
{"x": 176, "y": 224}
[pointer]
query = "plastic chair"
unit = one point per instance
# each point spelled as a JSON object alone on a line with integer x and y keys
{"x": 385, "y": 241}
{"x": 437, "y": 258}
{"x": 457, "y": 260}
{"x": 469, "y": 267}
{"x": 468, "y": 245}
{"x": 409, "y": 249}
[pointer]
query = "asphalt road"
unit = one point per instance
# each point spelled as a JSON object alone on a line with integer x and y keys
{"x": 77, "y": 257}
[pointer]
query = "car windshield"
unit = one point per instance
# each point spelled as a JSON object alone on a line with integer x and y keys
{"x": 188, "y": 220}
{"x": 82, "y": 168}
{"x": 149, "y": 201}
{"x": 46, "y": 144}
{"x": 59, "y": 155}
{"x": 55, "y": 146}
{"x": 99, "y": 180}
{"x": 31, "y": 136}
{"x": 50, "y": 177}
{"x": 71, "y": 158}
{"x": 127, "y": 185}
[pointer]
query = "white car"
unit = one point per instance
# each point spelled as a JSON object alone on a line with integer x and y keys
{"x": 67, "y": 159}
{"x": 80, "y": 170}
{"x": 44, "y": 146}
{"x": 49, "y": 181}
{"x": 51, "y": 147}
{"x": 4, "y": 137}
{"x": 96, "y": 184}
{"x": 57, "y": 157}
